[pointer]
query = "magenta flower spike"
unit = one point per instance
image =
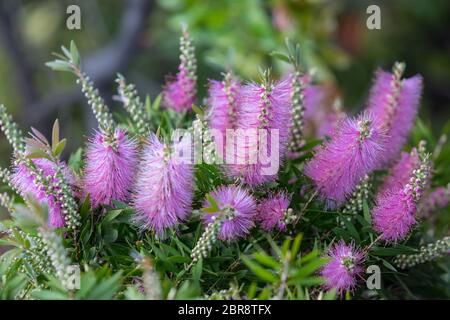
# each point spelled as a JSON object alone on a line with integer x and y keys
{"x": 223, "y": 105}
{"x": 264, "y": 110}
{"x": 395, "y": 210}
{"x": 344, "y": 268}
{"x": 180, "y": 92}
{"x": 402, "y": 171}
{"x": 236, "y": 211}
{"x": 395, "y": 103}
{"x": 273, "y": 212}
{"x": 110, "y": 168}
{"x": 163, "y": 192}
{"x": 355, "y": 149}
{"x": 25, "y": 182}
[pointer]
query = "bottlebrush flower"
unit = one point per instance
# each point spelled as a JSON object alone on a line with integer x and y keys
{"x": 394, "y": 213}
{"x": 395, "y": 102}
{"x": 180, "y": 92}
{"x": 273, "y": 212}
{"x": 236, "y": 210}
{"x": 355, "y": 150}
{"x": 223, "y": 104}
{"x": 110, "y": 168}
{"x": 262, "y": 108}
{"x": 344, "y": 268}
{"x": 25, "y": 182}
{"x": 163, "y": 192}
{"x": 402, "y": 171}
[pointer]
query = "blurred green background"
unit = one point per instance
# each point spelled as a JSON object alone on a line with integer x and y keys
{"x": 139, "y": 38}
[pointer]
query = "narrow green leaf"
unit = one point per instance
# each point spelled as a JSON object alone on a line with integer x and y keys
{"x": 59, "y": 148}
{"x": 260, "y": 271}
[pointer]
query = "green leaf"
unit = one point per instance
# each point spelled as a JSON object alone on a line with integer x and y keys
{"x": 55, "y": 134}
{"x": 59, "y": 147}
{"x": 260, "y": 271}
{"x": 296, "y": 245}
{"x": 280, "y": 56}
{"x": 157, "y": 102}
{"x": 266, "y": 260}
{"x": 197, "y": 270}
{"x": 38, "y": 154}
{"x": 110, "y": 235}
{"x": 74, "y": 53}
{"x": 198, "y": 110}
{"x": 59, "y": 65}
{"x": 111, "y": 215}
{"x": 49, "y": 295}
{"x": 106, "y": 289}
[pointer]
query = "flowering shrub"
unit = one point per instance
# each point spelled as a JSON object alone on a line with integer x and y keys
{"x": 246, "y": 203}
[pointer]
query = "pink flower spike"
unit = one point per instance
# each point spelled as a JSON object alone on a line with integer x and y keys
{"x": 163, "y": 192}
{"x": 344, "y": 268}
{"x": 402, "y": 171}
{"x": 238, "y": 209}
{"x": 356, "y": 149}
{"x": 180, "y": 93}
{"x": 110, "y": 168}
{"x": 395, "y": 103}
{"x": 393, "y": 215}
{"x": 264, "y": 109}
{"x": 223, "y": 105}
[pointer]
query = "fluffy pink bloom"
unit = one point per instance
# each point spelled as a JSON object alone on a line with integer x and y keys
{"x": 24, "y": 181}
{"x": 110, "y": 168}
{"x": 263, "y": 110}
{"x": 402, "y": 171}
{"x": 238, "y": 209}
{"x": 272, "y": 212}
{"x": 354, "y": 150}
{"x": 393, "y": 215}
{"x": 163, "y": 192}
{"x": 395, "y": 103}
{"x": 344, "y": 268}
{"x": 223, "y": 105}
{"x": 179, "y": 92}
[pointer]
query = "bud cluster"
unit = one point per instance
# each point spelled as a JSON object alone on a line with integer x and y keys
{"x": 207, "y": 239}
{"x": 427, "y": 253}
{"x": 419, "y": 179}
{"x": 232, "y": 293}
{"x": 6, "y": 201}
{"x": 203, "y": 140}
{"x": 356, "y": 201}
{"x": 57, "y": 253}
{"x": 298, "y": 110}
{"x": 187, "y": 55}
{"x": 133, "y": 105}
{"x": 396, "y": 84}
{"x": 64, "y": 195}
{"x": 100, "y": 109}
{"x": 265, "y": 115}
{"x": 11, "y": 130}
